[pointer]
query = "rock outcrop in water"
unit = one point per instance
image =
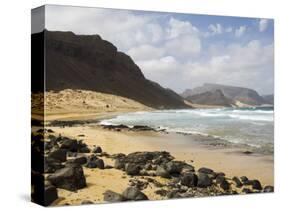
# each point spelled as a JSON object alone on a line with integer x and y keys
{"x": 88, "y": 62}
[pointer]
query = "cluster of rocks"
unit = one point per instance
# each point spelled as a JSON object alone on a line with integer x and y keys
{"x": 125, "y": 127}
{"x": 184, "y": 181}
{"x": 64, "y": 159}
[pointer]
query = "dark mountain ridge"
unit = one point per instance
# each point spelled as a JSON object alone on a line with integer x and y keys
{"x": 91, "y": 63}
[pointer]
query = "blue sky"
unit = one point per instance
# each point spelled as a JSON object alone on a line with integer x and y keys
{"x": 181, "y": 51}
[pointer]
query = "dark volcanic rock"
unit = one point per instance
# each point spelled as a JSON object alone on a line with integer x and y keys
{"x": 94, "y": 162}
{"x": 237, "y": 182}
{"x": 247, "y": 191}
{"x": 132, "y": 169}
{"x": 59, "y": 154}
{"x": 256, "y": 185}
{"x": 176, "y": 167}
{"x": 132, "y": 193}
{"x": 162, "y": 172}
{"x": 205, "y": 170}
{"x": 84, "y": 150}
{"x": 111, "y": 196}
{"x": 97, "y": 149}
{"x": 88, "y": 62}
{"x": 86, "y": 202}
{"x": 204, "y": 180}
{"x": 268, "y": 189}
{"x": 69, "y": 178}
{"x": 224, "y": 184}
{"x": 119, "y": 164}
{"x": 80, "y": 160}
{"x": 70, "y": 145}
{"x": 189, "y": 179}
{"x": 51, "y": 194}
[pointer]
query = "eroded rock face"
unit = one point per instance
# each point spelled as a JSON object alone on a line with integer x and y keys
{"x": 70, "y": 178}
{"x": 189, "y": 179}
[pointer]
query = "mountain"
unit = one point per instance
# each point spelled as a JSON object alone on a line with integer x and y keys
{"x": 243, "y": 95}
{"x": 269, "y": 99}
{"x": 90, "y": 63}
{"x": 210, "y": 98}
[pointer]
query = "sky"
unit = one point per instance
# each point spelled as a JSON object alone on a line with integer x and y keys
{"x": 181, "y": 51}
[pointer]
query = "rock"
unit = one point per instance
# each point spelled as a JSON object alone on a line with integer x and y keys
{"x": 237, "y": 182}
{"x": 247, "y": 191}
{"x": 111, "y": 196}
{"x": 268, "y": 189}
{"x": 162, "y": 172}
{"x": 119, "y": 164}
{"x": 244, "y": 179}
{"x": 224, "y": 184}
{"x": 86, "y": 202}
{"x": 132, "y": 193}
{"x": 142, "y": 128}
{"x": 189, "y": 179}
{"x": 51, "y": 194}
{"x": 69, "y": 144}
{"x": 204, "y": 180}
{"x": 132, "y": 169}
{"x": 84, "y": 150}
{"x": 50, "y": 166}
{"x": 175, "y": 167}
{"x": 256, "y": 185}
{"x": 206, "y": 170}
{"x": 219, "y": 179}
{"x": 80, "y": 160}
{"x": 59, "y": 154}
{"x": 95, "y": 163}
{"x": 70, "y": 178}
{"x": 97, "y": 149}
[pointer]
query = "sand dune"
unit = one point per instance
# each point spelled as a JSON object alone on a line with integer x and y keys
{"x": 67, "y": 104}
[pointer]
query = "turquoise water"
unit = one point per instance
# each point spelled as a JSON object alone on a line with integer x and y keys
{"x": 251, "y": 126}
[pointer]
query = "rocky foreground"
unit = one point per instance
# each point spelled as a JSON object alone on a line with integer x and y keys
{"x": 65, "y": 160}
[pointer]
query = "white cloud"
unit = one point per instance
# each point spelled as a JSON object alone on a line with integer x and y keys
{"x": 146, "y": 52}
{"x": 263, "y": 24}
{"x": 240, "y": 31}
{"x": 215, "y": 29}
{"x": 177, "y": 28}
{"x": 237, "y": 65}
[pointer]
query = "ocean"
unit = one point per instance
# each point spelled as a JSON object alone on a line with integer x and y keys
{"x": 252, "y": 127}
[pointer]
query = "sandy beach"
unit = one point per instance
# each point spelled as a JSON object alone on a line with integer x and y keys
{"x": 191, "y": 149}
{"x": 233, "y": 162}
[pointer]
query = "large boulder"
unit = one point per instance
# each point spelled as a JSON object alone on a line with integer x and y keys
{"x": 189, "y": 179}
{"x": 204, "y": 180}
{"x": 132, "y": 193}
{"x": 70, "y": 178}
{"x": 59, "y": 154}
{"x": 176, "y": 167}
{"x": 70, "y": 145}
{"x": 111, "y": 196}
{"x": 51, "y": 194}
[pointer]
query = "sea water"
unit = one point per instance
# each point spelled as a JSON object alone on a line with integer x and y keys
{"x": 248, "y": 126}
